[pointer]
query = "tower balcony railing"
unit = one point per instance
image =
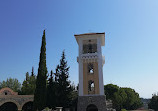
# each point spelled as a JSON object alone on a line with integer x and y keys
{"x": 91, "y": 56}
{"x": 88, "y": 57}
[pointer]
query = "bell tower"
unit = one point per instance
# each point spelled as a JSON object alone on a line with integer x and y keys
{"x": 91, "y": 61}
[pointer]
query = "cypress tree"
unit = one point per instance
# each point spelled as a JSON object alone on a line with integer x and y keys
{"x": 40, "y": 91}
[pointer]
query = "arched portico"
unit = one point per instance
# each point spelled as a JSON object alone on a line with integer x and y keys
{"x": 30, "y": 100}
{"x": 9, "y": 106}
{"x": 11, "y": 101}
{"x": 9, "y": 96}
{"x": 18, "y": 101}
{"x": 28, "y": 106}
{"x": 91, "y": 107}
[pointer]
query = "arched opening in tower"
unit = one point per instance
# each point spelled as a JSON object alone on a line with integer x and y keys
{"x": 28, "y": 106}
{"x": 92, "y": 107}
{"x": 91, "y": 87}
{"x": 8, "y": 106}
{"x": 90, "y": 68}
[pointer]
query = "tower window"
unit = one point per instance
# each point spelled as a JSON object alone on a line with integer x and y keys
{"x": 89, "y": 48}
{"x": 91, "y": 87}
{"x": 90, "y": 68}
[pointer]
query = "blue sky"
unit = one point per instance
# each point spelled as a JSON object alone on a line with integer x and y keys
{"x": 131, "y": 27}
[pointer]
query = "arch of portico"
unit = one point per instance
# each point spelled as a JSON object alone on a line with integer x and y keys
{"x": 8, "y": 95}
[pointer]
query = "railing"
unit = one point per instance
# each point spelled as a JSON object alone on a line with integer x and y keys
{"x": 89, "y": 54}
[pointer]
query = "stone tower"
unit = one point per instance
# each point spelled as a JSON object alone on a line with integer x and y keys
{"x": 90, "y": 59}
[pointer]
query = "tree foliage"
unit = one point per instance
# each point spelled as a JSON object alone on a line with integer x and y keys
{"x": 74, "y": 97}
{"x": 40, "y": 91}
{"x": 109, "y": 90}
{"x": 60, "y": 91}
{"x": 64, "y": 88}
{"x": 123, "y": 98}
{"x": 12, "y": 83}
{"x": 153, "y": 104}
{"x": 29, "y": 84}
{"x": 51, "y": 91}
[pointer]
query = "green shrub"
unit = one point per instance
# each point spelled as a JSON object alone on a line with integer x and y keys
{"x": 123, "y": 110}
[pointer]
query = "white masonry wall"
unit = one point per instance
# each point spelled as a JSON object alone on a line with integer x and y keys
{"x": 100, "y": 64}
{"x": 100, "y": 68}
{"x": 80, "y": 68}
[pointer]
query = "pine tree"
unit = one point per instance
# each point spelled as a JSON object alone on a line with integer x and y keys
{"x": 29, "y": 84}
{"x": 40, "y": 91}
{"x": 32, "y": 82}
{"x": 51, "y": 92}
{"x": 64, "y": 87}
{"x": 32, "y": 73}
{"x": 25, "y": 84}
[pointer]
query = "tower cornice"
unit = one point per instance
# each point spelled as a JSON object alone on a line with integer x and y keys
{"x": 91, "y": 36}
